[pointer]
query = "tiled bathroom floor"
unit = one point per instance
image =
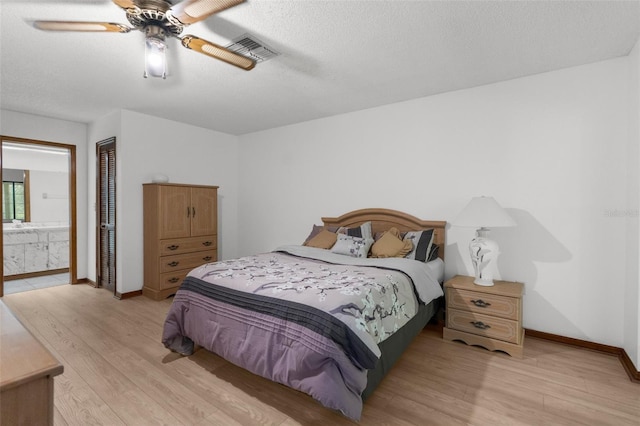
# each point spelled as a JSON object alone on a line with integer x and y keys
{"x": 17, "y": 286}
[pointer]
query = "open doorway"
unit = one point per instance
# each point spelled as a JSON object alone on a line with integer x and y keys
{"x": 39, "y": 238}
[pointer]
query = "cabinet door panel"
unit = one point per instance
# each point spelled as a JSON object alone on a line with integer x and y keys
{"x": 204, "y": 202}
{"x": 175, "y": 214}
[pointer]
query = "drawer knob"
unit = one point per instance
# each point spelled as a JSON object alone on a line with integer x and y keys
{"x": 481, "y": 303}
{"x": 207, "y": 258}
{"x": 174, "y": 263}
{"x": 207, "y": 243}
{"x": 174, "y": 280}
{"x": 480, "y": 325}
{"x": 173, "y": 247}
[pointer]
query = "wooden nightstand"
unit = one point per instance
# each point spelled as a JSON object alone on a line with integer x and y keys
{"x": 490, "y": 317}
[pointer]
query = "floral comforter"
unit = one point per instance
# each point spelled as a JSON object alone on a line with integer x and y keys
{"x": 296, "y": 308}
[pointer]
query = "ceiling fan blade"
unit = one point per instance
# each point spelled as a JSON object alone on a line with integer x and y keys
{"x": 125, "y": 4}
{"x": 82, "y": 26}
{"x": 190, "y": 11}
{"x": 215, "y": 51}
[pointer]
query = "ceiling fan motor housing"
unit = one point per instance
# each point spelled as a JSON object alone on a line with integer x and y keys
{"x": 153, "y": 13}
{"x": 154, "y": 31}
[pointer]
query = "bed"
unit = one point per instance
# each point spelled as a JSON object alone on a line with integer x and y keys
{"x": 316, "y": 319}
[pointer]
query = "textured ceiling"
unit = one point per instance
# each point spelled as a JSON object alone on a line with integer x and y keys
{"x": 336, "y": 56}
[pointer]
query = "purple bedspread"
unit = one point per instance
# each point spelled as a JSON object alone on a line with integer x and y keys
{"x": 282, "y": 351}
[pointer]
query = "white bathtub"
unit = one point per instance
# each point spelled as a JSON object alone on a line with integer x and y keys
{"x": 35, "y": 247}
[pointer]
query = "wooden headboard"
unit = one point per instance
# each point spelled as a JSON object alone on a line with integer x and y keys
{"x": 384, "y": 219}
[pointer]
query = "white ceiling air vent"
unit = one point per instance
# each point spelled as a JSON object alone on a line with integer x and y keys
{"x": 249, "y": 46}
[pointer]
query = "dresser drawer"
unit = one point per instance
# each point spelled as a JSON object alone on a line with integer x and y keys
{"x": 489, "y": 304}
{"x": 187, "y": 245}
{"x": 172, "y": 279}
{"x": 186, "y": 261}
{"x": 484, "y": 325}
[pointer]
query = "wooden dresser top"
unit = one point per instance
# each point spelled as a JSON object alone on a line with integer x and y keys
{"x": 505, "y": 288}
{"x": 22, "y": 357}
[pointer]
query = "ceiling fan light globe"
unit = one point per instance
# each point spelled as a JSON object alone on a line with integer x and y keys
{"x": 155, "y": 57}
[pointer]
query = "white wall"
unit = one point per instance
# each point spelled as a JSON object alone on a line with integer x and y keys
{"x": 146, "y": 146}
{"x": 632, "y": 287}
{"x": 49, "y": 196}
{"x": 40, "y": 128}
{"x": 48, "y": 174}
{"x": 28, "y": 159}
{"x": 551, "y": 148}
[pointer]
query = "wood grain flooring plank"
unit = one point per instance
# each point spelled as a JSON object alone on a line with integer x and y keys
{"x": 184, "y": 403}
{"x": 106, "y": 381}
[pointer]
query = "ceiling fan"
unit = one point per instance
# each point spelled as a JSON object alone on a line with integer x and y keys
{"x": 159, "y": 19}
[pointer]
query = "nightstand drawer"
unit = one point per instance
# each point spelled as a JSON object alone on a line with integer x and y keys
{"x": 484, "y": 325}
{"x": 488, "y": 304}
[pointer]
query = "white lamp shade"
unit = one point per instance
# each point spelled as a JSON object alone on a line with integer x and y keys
{"x": 483, "y": 212}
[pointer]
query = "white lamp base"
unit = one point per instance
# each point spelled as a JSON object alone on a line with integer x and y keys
{"x": 483, "y": 253}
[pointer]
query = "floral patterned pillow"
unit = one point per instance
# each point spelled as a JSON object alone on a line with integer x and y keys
{"x": 352, "y": 246}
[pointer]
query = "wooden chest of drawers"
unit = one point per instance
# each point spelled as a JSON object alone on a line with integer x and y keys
{"x": 485, "y": 316}
{"x": 180, "y": 233}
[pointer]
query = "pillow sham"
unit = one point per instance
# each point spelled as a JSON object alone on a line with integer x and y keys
{"x": 433, "y": 253}
{"x": 362, "y": 231}
{"x": 352, "y": 246}
{"x": 390, "y": 244}
{"x": 422, "y": 241}
{"x": 323, "y": 239}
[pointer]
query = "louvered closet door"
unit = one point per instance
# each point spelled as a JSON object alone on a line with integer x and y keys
{"x": 107, "y": 214}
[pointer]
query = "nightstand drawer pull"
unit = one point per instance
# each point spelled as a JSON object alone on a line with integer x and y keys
{"x": 173, "y": 247}
{"x": 207, "y": 258}
{"x": 480, "y": 325}
{"x": 207, "y": 243}
{"x": 174, "y": 280}
{"x": 481, "y": 303}
{"x": 174, "y": 263}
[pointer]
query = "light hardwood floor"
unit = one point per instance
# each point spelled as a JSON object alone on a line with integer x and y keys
{"x": 117, "y": 372}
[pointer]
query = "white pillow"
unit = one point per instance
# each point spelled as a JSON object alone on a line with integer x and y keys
{"x": 352, "y": 246}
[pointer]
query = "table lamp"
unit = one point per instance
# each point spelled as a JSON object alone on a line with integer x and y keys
{"x": 483, "y": 213}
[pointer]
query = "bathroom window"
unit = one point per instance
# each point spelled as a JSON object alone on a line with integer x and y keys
{"x": 15, "y": 195}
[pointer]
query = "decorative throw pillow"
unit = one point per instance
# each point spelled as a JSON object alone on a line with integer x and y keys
{"x": 352, "y": 246}
{"x": 422, "y": 241}
{"x": 324, "y": 240}
{"x": 390, "y": 244}
{"x": 314, "y": 231}
{"x": 433, "y": 253}
{"x": 362, "y": 231}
